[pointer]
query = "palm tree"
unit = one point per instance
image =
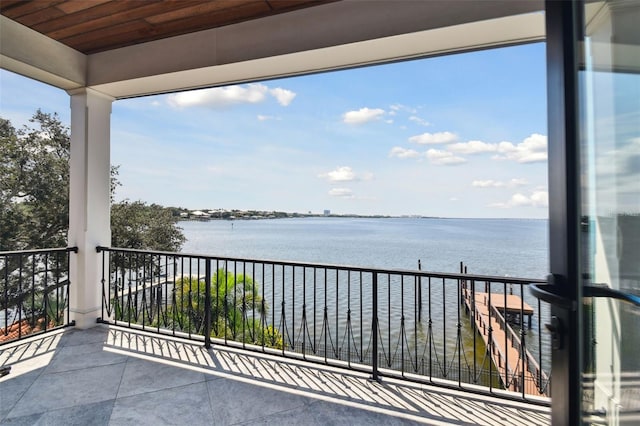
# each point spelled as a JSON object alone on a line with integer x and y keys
{"x": 234, "y": 297}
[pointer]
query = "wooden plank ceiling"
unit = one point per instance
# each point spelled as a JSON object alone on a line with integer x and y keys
{"x": 91, "y": 26}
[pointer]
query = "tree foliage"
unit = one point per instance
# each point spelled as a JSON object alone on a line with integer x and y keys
{"x": 237, "y": 309}
{"x": 34, "y": 194}
{"x": 34, "y": 214}
{"x": 34, "y": 183}
{"x": 232, "y": 296}
{"x": 138, "y": 225}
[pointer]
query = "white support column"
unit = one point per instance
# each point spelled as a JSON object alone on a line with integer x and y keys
{"x": 89, "y": 202}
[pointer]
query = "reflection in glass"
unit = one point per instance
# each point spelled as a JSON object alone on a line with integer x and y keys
{"x": 610, "y": 114}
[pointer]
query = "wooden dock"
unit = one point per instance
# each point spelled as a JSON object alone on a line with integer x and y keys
{"x": 491, "y": 318}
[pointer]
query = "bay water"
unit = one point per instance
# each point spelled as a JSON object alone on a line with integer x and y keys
{"x": 497, "y": 247}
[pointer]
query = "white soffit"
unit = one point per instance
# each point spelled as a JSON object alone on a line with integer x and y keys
{"x": 490, "y": 33}
{"x": 29, "y": 53}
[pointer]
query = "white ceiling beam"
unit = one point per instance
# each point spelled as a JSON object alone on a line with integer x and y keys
{"x": 454, "y": 39}
{"x": 29, "y": 53}
{"x": 318, "y": 27}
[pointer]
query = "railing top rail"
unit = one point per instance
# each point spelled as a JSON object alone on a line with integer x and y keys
{"x": 409, "y": 272}
{"x": 38, "y": 251}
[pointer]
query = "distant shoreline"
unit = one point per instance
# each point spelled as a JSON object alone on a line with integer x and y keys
{"x": 345, "y": 216}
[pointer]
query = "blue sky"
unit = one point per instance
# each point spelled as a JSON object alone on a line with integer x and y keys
{"x": 454, "y": 136}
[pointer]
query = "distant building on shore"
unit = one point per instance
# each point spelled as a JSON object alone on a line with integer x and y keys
{"x": 327, "y": 212}
{"x": 198, "y": 214}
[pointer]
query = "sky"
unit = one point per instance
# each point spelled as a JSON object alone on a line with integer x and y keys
{"x": 454, "y": 136}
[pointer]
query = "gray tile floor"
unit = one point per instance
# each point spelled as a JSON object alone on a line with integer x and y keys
{"x": 111, "y": 376}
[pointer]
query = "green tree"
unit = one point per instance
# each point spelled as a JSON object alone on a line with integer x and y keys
{"x": 34, "y": 210}
{"x": 34, "y": 213}
{"x": 237, "y": 309}
{"x": 34, "y": 194}
{"x": 138, "y": 225}
{"x": 34, "y": 183}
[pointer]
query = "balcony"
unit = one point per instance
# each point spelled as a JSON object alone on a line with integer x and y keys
{"x": 304, "y": 343}
{"x": 112, "y": 375}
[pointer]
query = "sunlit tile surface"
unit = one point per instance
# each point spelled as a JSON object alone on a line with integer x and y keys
{"x": 107, "y": 375}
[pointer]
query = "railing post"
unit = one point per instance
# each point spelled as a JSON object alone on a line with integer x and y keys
{"x": 207, "y": 304}
{"x": 105, "y": 297}
{"x": 419, "y": 292}
{"x": 374, "y": 329}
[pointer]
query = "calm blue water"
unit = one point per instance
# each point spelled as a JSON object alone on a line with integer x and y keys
{"x": 496, "y": 247}
{"x": 514, "y": 247}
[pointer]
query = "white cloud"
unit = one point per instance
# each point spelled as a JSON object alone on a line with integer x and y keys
{"x": 345, "y": 174}
{"x": 420, "y": 121}
{"x": 472, "y": 147}
{"x": 399, "y": 107}
{"x": 341, "y": 192}
{"x": 341, "y": 174}
{"x": 538, "y": 198}
{"x": 400, "y": 152}
{"x": 219, "y": 97}
{"x": 498, "y": 184}
{"x": 517, "y": 182}
{"x": 434, "y": 138}
{"x": 531, "y": 150}
{"x": 267, "y": 117}
{"x": 443, "y": 158}
{"x": 487, "y": 184}
{"x": 283, "y": 96}
{"x": 363, "y": 115}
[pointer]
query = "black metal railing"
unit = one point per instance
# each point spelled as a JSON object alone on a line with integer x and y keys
{"x": 413, "y": 324}
{"x": 34, "y": 292}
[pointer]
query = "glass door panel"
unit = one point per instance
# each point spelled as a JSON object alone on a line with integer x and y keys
{"x": 610, "y": 164}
